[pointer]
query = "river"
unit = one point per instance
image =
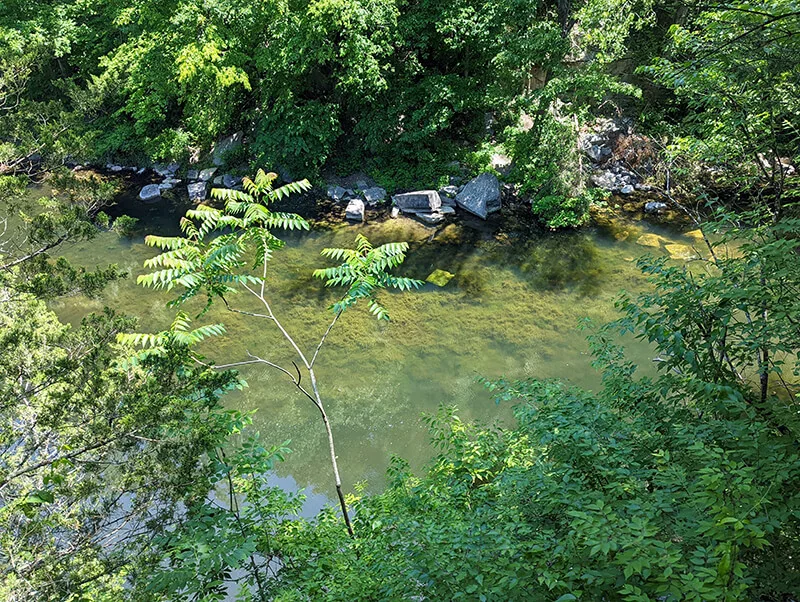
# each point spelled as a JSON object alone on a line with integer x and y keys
{"x": 512, "y": 310}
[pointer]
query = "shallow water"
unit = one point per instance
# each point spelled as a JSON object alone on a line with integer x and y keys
{"x": 512, "y": 309}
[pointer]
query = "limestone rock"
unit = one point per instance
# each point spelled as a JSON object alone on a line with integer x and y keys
{"x": 229, "y": 181}
{"x": 207, "y": 174}
{"x": 481, "y": 196}
{"x": 422, "y": 201}
{"x": 431, "y": 219}
{"x": 374, "y": 194}
{"x": 654, "y": 207}
{"x": 683, "y": 252}
{"x": 150, "y": 192}
{"x": 650, "y": 240}
{"x": 166, "y": 171}
{"x": 192, "y": 175}
{"x": 355, "y": 210}
{"x": 197, "y": 191}
{"x": 226, "y": 145}
{"x": 336, "y": 193}
{"x": 439, "y": 277}
{"x": 695, "y": 235}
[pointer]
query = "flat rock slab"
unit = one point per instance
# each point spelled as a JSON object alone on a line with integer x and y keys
{"x": 683, "y": 252}
{"x": 650, "y": 240}
{"x": 229, "y": 181}
{"x": 421, "y": 201}
{"x": 481, "y": 196}
{"x": 336, "y": 193}
{"x": 374, "y": 194}
{"x": 439, "y": 277}
{"x": 151, "y": 192}
{"x": 695, "y": 235}
{"x": 166, "y": 171}
{"x": 431, "y": 219}
{"x": 197, "y": 191}
{"x": 207, "y": 174}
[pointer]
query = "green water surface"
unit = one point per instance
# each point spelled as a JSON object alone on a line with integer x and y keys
{"x": 511, "y": 310}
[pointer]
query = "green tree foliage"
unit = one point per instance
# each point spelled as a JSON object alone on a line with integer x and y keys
{"x": 734, "y": 67}
{"x": 684, "y": 485}
{"x": 214, "y": 256}
{"x": 96, "y": 455}
{"x": 31, "y": 231}
{"x": 398, "y": 83}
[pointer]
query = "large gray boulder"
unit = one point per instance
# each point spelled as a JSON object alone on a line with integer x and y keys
{"x": 422, "y": 201}
{"x": 355, "y": 210}
{"x": 229, "y": 181}
{"x": 197, "y": 191}
{"x": 374, "y": 194}
{"x": 151, "y": 192}
{"x": 336, "y": 193}
{"x": 208, "y": 173}
{"x": 481, "y": 196}
{"x": 166, "y": 171}
{"x": 226, "y": 145}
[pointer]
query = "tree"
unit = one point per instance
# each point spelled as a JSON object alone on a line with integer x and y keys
{"x": 679, "y": 486}
{"x": 733, "y": 67}
{"x": 211, "y": 259}
{"x": 96, "y": 455}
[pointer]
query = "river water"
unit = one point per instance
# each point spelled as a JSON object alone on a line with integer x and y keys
{"x": 511, "y": 310}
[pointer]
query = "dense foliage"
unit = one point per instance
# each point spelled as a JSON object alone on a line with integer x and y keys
{"x": 120, "y": 476}
{"x": 400, "y": 88}
{"x": 684, "y": 485}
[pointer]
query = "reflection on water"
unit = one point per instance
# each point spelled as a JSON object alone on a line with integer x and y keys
{"x": 511, "y": 310}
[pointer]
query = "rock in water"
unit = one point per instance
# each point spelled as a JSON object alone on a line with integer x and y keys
{"x": 150, "y": 192}
{"x": 650, "y": 240}
{"x": 374, "y": 194}
{"x": 229, "y": 181}
{"x": 166, "y": 171}
{"x": 431, "y": 219}
{"x": 654, "y": 207}
{"x": 197, "y": 191}
{"x": 695, "y": 235}
{"x": 440, "y": 277}
{"x": 481, "y": 196}
{"x": 355, "y": 210}
{"x": 226, "y": 145}
{"x": 207, "y": 174}
{"x": 422, "y": 201}
{"x": 683, "y": 252}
